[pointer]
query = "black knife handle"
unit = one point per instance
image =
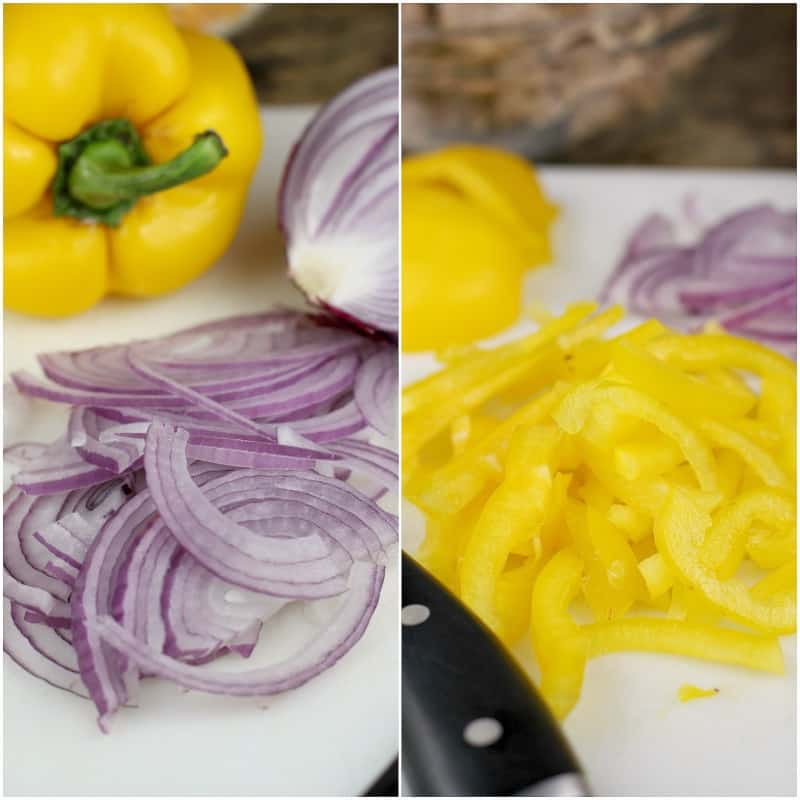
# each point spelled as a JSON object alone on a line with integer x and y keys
{"x": 455, "y": 671}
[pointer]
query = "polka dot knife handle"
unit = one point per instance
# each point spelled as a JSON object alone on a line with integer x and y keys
{"x": 473, "y": 723}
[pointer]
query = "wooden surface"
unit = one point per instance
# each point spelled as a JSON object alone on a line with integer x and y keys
{"x": 722, "y": 95}
{"x": 307, "y": 52}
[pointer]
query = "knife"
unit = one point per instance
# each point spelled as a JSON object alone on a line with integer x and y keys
{"x": 473, "y": 723}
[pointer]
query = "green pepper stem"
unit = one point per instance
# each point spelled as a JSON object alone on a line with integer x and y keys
{"x": 103, "y": 175}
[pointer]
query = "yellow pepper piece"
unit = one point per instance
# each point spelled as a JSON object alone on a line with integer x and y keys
{"x": 758, "y": 459}
{"x": 646, "y": 458}
{"x": 640, "y": 405}
{"x": 680, "y": 530}
{"x": 514, "y": 511}
{"x": 444, "y": 386}
{"x": 513, "y": 599}
{"x": 633, "y": 523}
{"x": 659, "y": 635}
{"x": 688, "y": 692}
{"x": 502, "y": 185}
{"x": 473, "y": 220}
{"x": 119, "y": 73}
{"x": 457, "y": 483}
{"x": 612, "y": 582}
{"x": 688, "y": 604}
{"x": 725, "y": 544}
{"x": 656, "y": 574}
{"x": 677, "y": 390}
{"x": 780, "y": 582}
{"x": 559, "y": 643}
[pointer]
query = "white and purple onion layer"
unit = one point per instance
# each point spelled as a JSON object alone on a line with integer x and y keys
{"x": 742, "y": 273}
{"x": 205, "y": 480}
{"x": 339, "y": 205}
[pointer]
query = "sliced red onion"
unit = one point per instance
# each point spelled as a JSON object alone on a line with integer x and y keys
{"x": 339, "y": 205}
{"x": 39, "y": 650}
{"x": 330, "y": 645}
{"x": 376, "y": 390}
{"x": 742, "y": 274}
{"x": 119, "y": 522}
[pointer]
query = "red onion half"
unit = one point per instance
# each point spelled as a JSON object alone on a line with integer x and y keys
{"x": 339, "y": 205}
{"x": 205, "y": 480}
{"x": 742, "y": 274}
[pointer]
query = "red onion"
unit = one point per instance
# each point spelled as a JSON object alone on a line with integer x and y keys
{"x": 339, "y": 205}
{"x": 245, "y": 456}
{"x": 742, "y": 274}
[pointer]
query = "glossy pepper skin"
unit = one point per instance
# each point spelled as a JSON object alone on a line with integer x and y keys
{"x": 69, "y": 67}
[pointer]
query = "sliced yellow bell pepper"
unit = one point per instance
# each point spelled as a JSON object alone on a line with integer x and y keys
{"x": 559, "y": 643}
{"x": 680, "y": 530}
{"x": 725, "y": 545}
{"x": 129, "y": 147}
{"x": 514, "y": 510}
{"x": 677, "y": 390}
{"x": 659, "y": 635}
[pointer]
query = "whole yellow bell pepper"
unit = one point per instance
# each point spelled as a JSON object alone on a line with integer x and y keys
{"x": 129, "y": 146}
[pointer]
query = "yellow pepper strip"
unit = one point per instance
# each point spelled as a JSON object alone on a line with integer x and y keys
{"x": 129, "y": 147}
{"x": 451, "y": 383}
{"x": 635, "y": 525}
{"x": 758, "y": 459}
{"x": 730, "y": 469}
{"x": 659, "y": 635}
{"x": 646, "y": 458}
{"x": 780, "y": 582}
{"x": 573, "y": 411}
{"x": 680, "y": 530}
{"x": 425, "y": 424}
{"x": 450, "y": 488}
{"x": 687, "y": 603}
{"x": 513, "y": 599}
{"x": 725, "y": 544}
{"x": 772, "y": 548}
{"x": 643, "y": 333}
{"x": 759, "y": 432}
{"x": 688, "y": 692}
{"x": 460, "y": 432}
{"x": 543, "y": 540}
{"x": 514, "y": 511}
{"x": 656, "y": 575}
{"x": 676, "y": 389}
{"x": 729, "y": 380}
{"x": 594, "y": 494}
{"x": 559, "y": 643}
{"x": 591, "y": 329}
{"x": 445, "y": 539}
{"x": 710, "y": 351}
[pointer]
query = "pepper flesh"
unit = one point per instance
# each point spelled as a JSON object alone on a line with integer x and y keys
{"x": 69, "y": 66}
{"x": 642, "y": 500}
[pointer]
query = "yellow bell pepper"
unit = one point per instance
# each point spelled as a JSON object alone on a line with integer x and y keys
{"x": 129, "y": 147}
{"x": 474, "y": 219}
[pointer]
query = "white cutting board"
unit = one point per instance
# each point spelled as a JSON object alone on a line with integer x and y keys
{"x": 330, "y": 737}
{"x": 629, "y": 731}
